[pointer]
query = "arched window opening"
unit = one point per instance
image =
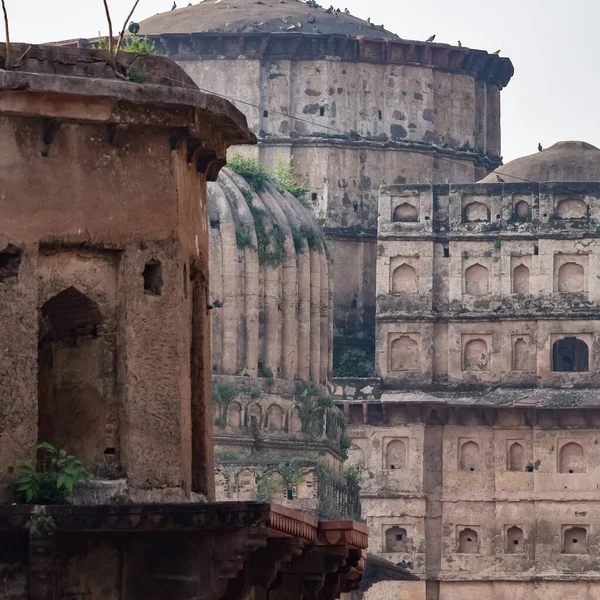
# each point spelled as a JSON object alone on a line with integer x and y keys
{"x": 234, "y": 417}
{"x": 274, "y": 418}
{"x": 521, "y": 280}
{"x": 469, "y": 456}
{"x": 476, "y": 356}
{"x": 515, "y": 457}
{"x": 571, "y": 209}
{"x": 522, "y": 211}
{"x": 514, "y": 541}
{"x": 477, "y": 280}
{"x": 476, "y": 212}
{"x": 406, "y": 213}
{"x": 404, "y": 354}
{"x": 73, "y": 410}
{"x": 405, "y": 280}
{"x": 520, "y": 356}
{"x": 468, "y": 541}
{"x": 570, "y": 459}
{"x": 396, "y": 540}
{"x": 395, "y": 455}
{"x": 575, "y": 541}
{"x": 570, "y": 355}
{"x": 571, "y": 278}
{"x": 246, "y": 485}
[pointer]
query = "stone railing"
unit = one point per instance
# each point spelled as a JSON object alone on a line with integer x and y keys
{"x": 338, "y": 499}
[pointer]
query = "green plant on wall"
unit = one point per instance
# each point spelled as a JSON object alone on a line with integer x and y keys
{"x": 283, "y": 175}
{"x": 267, "y": 487}
{"x": 139, "y": 45}
{"x": 251, "y": 170}
{"x": 50, "y": 479}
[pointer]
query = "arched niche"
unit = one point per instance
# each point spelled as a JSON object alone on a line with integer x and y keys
{"x": 575, "y": 541}
{"x": 294, "y": 421}
{"x": 356, "y": 457}
{"x": 246, "y": 484}
{"x": 469, "y": 456}
{"x": 234, "y": 415}
{"x": 570, "y": 355}
{"x": 571, "y": 278}
{"x": 405, "y": 280}
{"x": 468, "y": 541}
{"x": 475, "y": 212}
{"x": 571, "y": 458}
{"x": 395, "y": 455}
{"x": 571, "y": 208}
{"x": 396, "y": 540}
{"x": 404, "y": 353}
{"x": 254, "y": 416}
{"x": 274, "y": 418}
{"x": 521, "y": 280}
{"x": 514, "y": 540}
{"x": 515, "y": 457}
{"x": 477, "y": 280}
{"x": 520, "y": 360}
{"x": 405, "y": 213}
{"x": 73, "y": 410}
{"x": 522, "y": 211}
{"x": 221, "y": 486}
{"x": 476, "y": 357}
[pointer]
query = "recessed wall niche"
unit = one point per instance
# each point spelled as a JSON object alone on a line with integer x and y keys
{"x": 404, "y": 351}
{"x": 469, "y": 454}
{"x": 476, "y": 352}
{"x": 520, "y": 345}
{"x": 467, "y": 539}
{"x": 404, "y": 275}
{"x": 570, "y": 273}
{"x": 395, "y": 453}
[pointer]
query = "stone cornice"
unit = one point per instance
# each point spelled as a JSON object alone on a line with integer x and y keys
{"x": 478, "y": 64}
{"x": 565, "y": 314}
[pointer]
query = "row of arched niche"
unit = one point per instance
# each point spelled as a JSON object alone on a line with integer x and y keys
{"x": 570, "y": 279}
{"x": 478, "y": 212}
{"x": 570, "y": 457}
{"x": 574, "y": 540}
{"x": 274, "y": 418}
{"x": 569, "y": 355}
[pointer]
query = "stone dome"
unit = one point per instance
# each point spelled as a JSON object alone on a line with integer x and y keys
{"x": 270, "y": 283}
{"x": 565, "y": 161}
{"x": 250, "y": 16}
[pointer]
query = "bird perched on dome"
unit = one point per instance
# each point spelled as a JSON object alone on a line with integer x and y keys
{"x": 540, "y": 149}
{"x": 496, "y": 52}
{"x": 499, "y": 179}
{"x": 346, "y": 11}
{"x": 174, "y": 6}
{"x": 133, "y": 28}
{"x": 431, "y": 38}
{"x": 459, "y": 44}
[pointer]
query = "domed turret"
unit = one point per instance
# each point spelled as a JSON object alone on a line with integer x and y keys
{"x": 564, "y": 161}
{"x": 270, "y": 283}
{"x": 249, "y": 16}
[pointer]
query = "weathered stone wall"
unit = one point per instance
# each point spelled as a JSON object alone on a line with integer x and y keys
{"x": 495, "y": 504}
{"x": 104, "y": 271}
{"x": 489, "y": 283}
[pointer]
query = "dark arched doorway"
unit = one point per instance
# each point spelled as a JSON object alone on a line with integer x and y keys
{"x": 73, "y": 408}
{"x": 570, "y": 355}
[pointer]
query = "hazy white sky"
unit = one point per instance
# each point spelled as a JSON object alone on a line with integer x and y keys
{"x": 552, "y": 43}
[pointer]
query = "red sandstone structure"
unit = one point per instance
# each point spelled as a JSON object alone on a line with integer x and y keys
{"x": 106, "y": 345}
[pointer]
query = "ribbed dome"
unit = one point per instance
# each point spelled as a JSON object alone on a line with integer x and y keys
{"x": 250, "y": 16}
{"x": 270, "y": 272}
{"x": 565, "y": 161}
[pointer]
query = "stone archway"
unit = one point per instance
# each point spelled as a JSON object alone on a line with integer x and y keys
{"x": 74, "y": 411}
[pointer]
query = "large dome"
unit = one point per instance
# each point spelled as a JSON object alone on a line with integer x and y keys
{"x": 565, "y": 161}
{"x": 270, "y": 283}
{"x": 251, "y": 16}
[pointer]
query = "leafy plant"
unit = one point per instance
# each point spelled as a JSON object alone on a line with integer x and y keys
{"x": 44, "y": 524}
{"x": 355, "y": 363}
{"x": 283, "y": 175}
{"x": 352, "y": 476}
{"x": 267, "y": 373}
{"x": 139, "y": 45}
{"x": 223, "y": 394}
{"x": 50, "y": 479}
{"x": 267, "y": 487}
{"x": 243, "y": 237}
{"x": 251, "y": 170}
{"x": 497, "y": 243}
